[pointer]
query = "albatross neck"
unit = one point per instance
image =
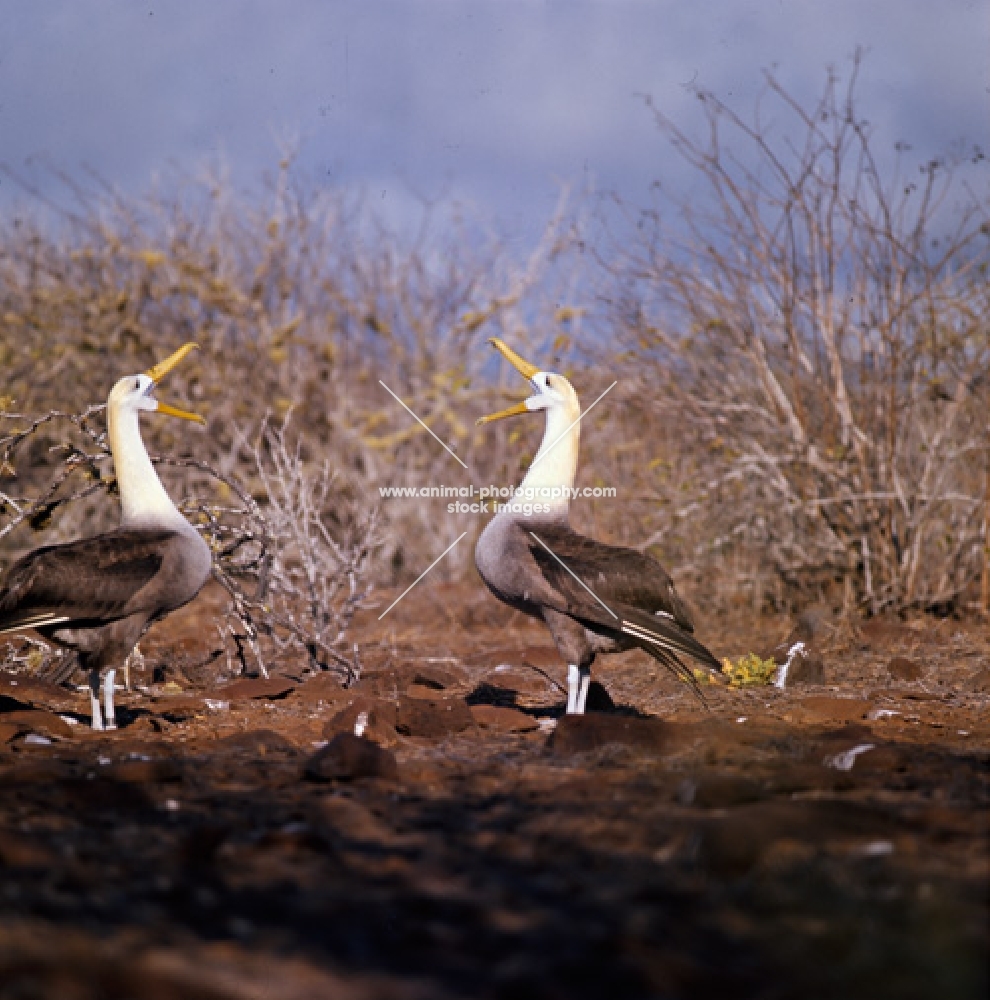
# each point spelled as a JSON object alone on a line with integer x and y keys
{"x": 550, "y": 478}
{"x": 143, "y": 500}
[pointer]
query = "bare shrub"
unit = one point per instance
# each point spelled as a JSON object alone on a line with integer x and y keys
{"x": 306, "y": 548}
{"x": 810, "y": 340}
{"x": 300, "y": 300}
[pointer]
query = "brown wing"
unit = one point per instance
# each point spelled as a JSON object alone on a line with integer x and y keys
{"x": 90, "y": 581}
{"x": 618, "y": 590}
{"x": 616, "y": 574}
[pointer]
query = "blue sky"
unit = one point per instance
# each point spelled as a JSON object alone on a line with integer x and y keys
{"x": 493, "y": 102}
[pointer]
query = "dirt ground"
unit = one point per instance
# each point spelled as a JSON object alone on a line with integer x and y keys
{"x": 234, "y": 839}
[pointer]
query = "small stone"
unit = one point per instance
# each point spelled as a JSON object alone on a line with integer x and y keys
{"x": 347, "y": 757}
{"x": 433, "y": 719}
{"x": 257, "y": 687}
{"x": 517, "y": 680}
{"x": 378, "y": 723}
{"x": 323, "y": 686}
{"x": 505, "y": 720}
{"x": 36, "y": 720}
{"x": 437, "y": 678}
{"x": 903, "y": 669}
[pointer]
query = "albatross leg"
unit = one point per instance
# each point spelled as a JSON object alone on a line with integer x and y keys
{"x": 94, "y": 699}
{"x": 584, "y": 685}
{"x": 108, "y": 681}
{"x": 573, "y": 688}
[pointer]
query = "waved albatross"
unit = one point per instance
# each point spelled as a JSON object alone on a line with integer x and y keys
{"x": 594, "y": 598}
{"x": 98, "y": 595}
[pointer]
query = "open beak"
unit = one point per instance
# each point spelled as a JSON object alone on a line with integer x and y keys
{"x": 525, "y": 368}
{"x": 510, "y": 411}
{"x": 157, "y": 372}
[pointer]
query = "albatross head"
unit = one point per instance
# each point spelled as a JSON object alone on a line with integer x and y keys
{"x": 133, "y": 393}
{"x": 550, "y": 479}
{"x": 553, "y": 392}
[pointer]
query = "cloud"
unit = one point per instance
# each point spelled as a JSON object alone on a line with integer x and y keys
{"x": 496, "y": 100}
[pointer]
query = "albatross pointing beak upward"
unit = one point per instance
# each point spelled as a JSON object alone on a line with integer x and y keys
{"x": 157, "y": 372}
{"x": 525, "y": 368}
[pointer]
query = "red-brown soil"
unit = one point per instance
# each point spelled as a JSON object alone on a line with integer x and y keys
{"x": 234, "y": 840}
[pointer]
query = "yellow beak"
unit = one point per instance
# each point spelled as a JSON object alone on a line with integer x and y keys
{"x": 510, "y": 411}
{"x": 525, "y": 368}
{"x": 157, "y": 372}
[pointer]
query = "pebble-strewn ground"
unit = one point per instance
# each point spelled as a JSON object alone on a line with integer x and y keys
{"x": 827, "y": 840}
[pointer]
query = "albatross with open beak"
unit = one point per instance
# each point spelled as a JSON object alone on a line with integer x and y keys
{"x": 98, "y": 595}
{"x": 594, "y": 598}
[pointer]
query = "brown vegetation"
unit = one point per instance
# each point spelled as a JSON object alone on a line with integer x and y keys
{"x": 801, "y": 366}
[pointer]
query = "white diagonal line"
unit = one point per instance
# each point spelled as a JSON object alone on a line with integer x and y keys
{"x": 421, "y": 575}
{"x": 569, "y": 570}
{"x": 396, "y": 398}
{"x": 539, "y": 458}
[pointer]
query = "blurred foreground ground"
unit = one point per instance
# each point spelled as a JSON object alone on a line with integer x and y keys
{"x": 210, "y": 849}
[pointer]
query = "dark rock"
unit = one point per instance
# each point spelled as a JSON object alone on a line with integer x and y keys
{"x": 39, "y": 721}
{"x": 378, "y": 721}
{"x": 347, "y": 757}
{"x": 585, "y": 733}
{"x": 178, "y": 708}
{"x": 437, "y": 678}
{"x": 903, "y": 669}
{"x": 322, "y": 687}
{"x": 433, "y": 719}
{"x": 515, "y": 681}
{"x": 257, "y": 687}
{"x": 506, "y": 720}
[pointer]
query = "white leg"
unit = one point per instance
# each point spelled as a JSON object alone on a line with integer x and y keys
{"x": 94, "y": 700}
{"x": 582, "y": 697}
{"x": 108, "y": 698}
{"x": 573, "y": 684}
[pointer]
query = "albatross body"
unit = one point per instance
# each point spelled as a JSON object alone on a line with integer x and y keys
{"x": 594, "y": 598}
{"x": 98, "y": 595}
